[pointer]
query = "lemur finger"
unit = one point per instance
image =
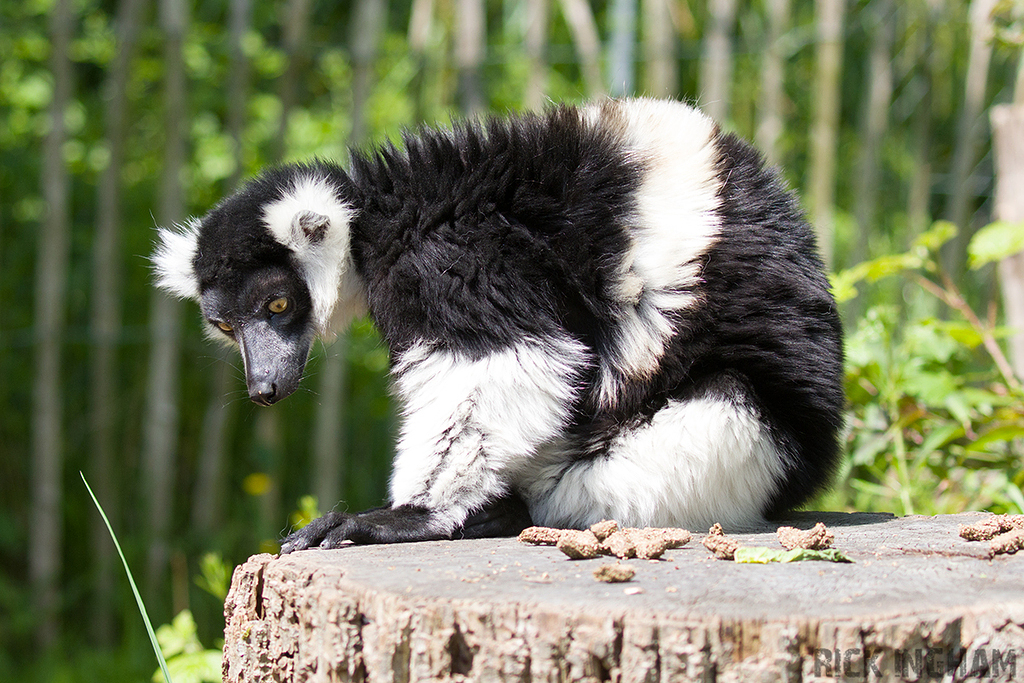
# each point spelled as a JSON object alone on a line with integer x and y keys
{"x": 313, "y": 533}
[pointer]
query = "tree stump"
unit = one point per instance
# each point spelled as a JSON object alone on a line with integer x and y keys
{"x": 918, "y": 603}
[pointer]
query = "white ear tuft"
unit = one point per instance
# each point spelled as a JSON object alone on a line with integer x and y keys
{"x": 172, "y": 260}
{"x": 312, "y": 221}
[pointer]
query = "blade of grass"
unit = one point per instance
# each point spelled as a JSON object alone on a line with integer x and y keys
{"x": 135, "y": 590}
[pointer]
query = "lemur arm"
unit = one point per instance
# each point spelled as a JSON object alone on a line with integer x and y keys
{"x": 471, "y": 429}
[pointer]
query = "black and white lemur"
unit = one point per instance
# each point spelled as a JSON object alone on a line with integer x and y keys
{"x": 607, "y": 311}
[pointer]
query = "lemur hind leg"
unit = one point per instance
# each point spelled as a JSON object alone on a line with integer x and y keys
{"x": 706, "y": 458}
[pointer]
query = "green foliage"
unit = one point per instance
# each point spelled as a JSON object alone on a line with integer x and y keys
{"x": 187, "y": 661}
{"x": 995, "y": 242}
{"x": 935, "y": 425}
{"x": 214, "y": 575}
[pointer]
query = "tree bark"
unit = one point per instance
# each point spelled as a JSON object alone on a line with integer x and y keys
{"x": 295, "y": 26}
{"x": 470, "y": 45}
{"x": 660, "y": 72}
{"x": 970, "y": 128}
{"x": 583, "y": 27}
{"x": 106, "y": 322}
{"x": 920, "y": 194}
{"x": 622, "y": 48}
{"x": 773, "y": 91}
{"x": 1008, "y": 147}
{"x": 367, "y": 27}
{"x": 160, "y": 439}
{"x": 213, "y": 443}
{"x": 716, "y": 60}
{"x": 421, "y": 17}
{"x": 45, "y": 557}
{"x": 535, "y": 39}
{"x": 499, "y": 610}
{"x": 873, "y": 125}
{"x": 825, "y": 128}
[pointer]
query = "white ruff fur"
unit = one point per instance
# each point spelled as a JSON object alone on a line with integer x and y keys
{"x": 173, "y": 259}
{"x": 469, "y": 426}
{"x": 675, "y": 224}
{"x": 698, "y": 462}
{"x": 326, "y": 265}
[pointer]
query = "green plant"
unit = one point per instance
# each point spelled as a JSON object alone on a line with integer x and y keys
{"x": 936, "y": 420}
{"x": 214, "y": 575}
{"x": 186, "y": 657}
{"x": 131, "y": 581}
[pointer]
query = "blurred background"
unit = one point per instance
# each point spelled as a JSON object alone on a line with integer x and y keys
{"x": 120, "y": 115}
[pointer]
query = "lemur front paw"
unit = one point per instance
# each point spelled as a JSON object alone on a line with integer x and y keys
{"x": 384, "y": 525}
{"x": 505, "y": 516}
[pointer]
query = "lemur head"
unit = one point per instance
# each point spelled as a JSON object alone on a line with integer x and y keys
{"x": 271, "y": 269}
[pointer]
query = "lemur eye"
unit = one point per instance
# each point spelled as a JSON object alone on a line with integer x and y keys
{"x": 225, "y": 327}
{"x": 278, "y": 305}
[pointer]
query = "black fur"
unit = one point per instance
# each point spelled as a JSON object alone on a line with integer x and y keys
{"x": 481, "y": 237}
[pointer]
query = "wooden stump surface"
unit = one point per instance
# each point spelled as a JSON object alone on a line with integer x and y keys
{"x": 918, "y": 603}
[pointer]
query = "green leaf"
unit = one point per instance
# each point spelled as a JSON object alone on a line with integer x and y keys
{"x": 1004, "y": 433}
{"x": 940, "y": 233}
{"x": 214, "y": 575}
{"x": 932, "y": 386}
{"x": 195, "y": 667}
{"x": 844, "y": 284}
{"x": 936, "y": 439}
{"x": 762, "y": 555}
{"x": 179, "y": 636}
{"x": 995, "y": 242}
{"x": 961, "y": 332}
{"x": 891, "y": 264}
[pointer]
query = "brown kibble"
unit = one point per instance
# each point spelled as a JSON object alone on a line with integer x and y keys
{"x": 648, "y": 549}
{"x": 1007, "y": 543}
{"x": 540, "y": 535}
{"x": 671, "y": 536}
{"x": 723, "y": 547}
{"x": 816, "y": 538}
{"x": 579, "y": 545}
{"x": 990, "y": 527}
{"x": 604, "y": 528}
{"x": 614, "y": 573}
{"x": 607, "y": 538}
{"x": 620, "y": 544}
{"x": 651, "y": 543}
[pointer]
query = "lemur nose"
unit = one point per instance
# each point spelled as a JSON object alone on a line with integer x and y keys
{"x": 263, "y": 393}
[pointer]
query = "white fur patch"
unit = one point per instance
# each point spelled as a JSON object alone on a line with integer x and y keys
{"x": 470, "y": 426}
{"x": 326, "y": 263}
{"x": 696, "y": 463}
{"x": 676, "y": 222}
{"x": 172, "y": 259}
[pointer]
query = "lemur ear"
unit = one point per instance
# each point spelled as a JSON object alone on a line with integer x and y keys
{"x": 172, "y": 260}
{"x": 310, "y": 226}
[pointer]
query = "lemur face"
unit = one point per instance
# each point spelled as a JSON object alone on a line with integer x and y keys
{"x": 271, "y": 270}
{"x": 268, "y": 314}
